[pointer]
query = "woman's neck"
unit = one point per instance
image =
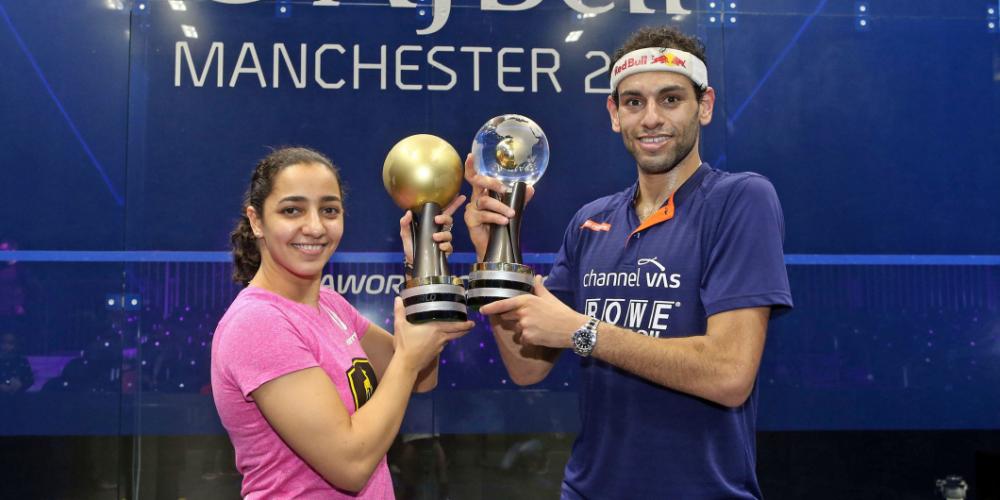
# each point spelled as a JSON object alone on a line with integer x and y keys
{"x": 304, "y": 290}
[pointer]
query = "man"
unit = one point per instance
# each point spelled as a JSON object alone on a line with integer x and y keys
{"x": 669, "y": 285}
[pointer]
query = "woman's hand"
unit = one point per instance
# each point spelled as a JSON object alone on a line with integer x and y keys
{"x": 443, "y": 237}
{"x": 418, "y": 345}
{"x": 483, "y": 209}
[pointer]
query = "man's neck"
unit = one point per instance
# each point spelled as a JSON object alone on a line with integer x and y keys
{"x": 654, "y": 189}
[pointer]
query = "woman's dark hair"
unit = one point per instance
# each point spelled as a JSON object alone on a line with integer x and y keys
{"x": 667, "y": 37}
{"x": 246, "y": 253}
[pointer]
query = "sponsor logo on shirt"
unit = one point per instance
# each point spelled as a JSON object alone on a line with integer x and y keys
{"x": 361, "y": 378}
{"x": 353, "y": 337}
{"x": 336, "y": 319}
{"x": 596, "y": 226}
{"x": 641, "y": 277}
{"x": 648, "y": 317}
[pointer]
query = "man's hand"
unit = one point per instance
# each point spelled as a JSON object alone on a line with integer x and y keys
{"x": 540, "y": 319}
{"x": 483, "y": 209}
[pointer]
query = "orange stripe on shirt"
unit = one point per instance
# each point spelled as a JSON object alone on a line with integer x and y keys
{"x": 662, "y": 215}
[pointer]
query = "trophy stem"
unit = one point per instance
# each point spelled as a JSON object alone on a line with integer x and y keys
{"x": 516, "y": 199}
{"x": 431, "y": 294}
{"x": 428, "y": 259}
{"x": 502, "y": 274}
{"x": 505, "y": 244}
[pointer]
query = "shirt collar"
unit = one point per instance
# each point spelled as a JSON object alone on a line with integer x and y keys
{"x": 667, "y": 211}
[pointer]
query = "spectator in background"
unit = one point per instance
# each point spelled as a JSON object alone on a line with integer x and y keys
{"x": 15, "y": 371}
{"x": 18, "y": 290}
{"x": 11, "y": 289}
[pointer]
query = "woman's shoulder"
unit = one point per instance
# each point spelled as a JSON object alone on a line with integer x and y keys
{"x": 253, "y": 306}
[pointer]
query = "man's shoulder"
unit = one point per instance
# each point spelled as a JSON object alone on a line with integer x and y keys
{"x": 723, "y": 181}
{"x": 728, "y": 187}
{"x": 604, "y": 205}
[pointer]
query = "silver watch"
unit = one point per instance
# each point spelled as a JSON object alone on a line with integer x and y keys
{"x": 585, "y": 338}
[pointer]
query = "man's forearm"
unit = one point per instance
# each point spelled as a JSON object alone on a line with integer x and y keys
{"x": 720, "y": 367}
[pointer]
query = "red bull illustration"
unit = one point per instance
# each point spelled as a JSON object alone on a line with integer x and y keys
{"x": 670, "y": 60}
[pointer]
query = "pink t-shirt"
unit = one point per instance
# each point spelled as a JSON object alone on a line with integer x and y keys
{"x": 264, "y": 336}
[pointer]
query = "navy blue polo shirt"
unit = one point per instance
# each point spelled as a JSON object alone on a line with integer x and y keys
{"x": 715, "y": 246}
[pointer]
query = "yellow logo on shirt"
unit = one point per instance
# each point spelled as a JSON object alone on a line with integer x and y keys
{"x": 362, "y": 379}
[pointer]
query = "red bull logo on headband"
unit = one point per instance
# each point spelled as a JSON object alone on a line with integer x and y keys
{"x": 670, "y": 60}
{"x": 667, "y": 59}
{"x": 660, "y": 59}
{"x": 630, "y": 63}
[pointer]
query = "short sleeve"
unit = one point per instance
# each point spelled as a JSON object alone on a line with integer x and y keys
{"x": 561, "y": 280}
{"x": 746, "y": 262}
{"x": 262, "y": 345}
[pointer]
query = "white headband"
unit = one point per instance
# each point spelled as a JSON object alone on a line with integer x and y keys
{"x": 660, "y": 59}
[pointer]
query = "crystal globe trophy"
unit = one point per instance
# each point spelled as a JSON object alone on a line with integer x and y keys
{"x": 423, "y": 173}
{"x": 513, "y": 149}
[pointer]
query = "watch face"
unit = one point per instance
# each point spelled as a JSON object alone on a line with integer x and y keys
{"x": 583, "y": 342}
{"x": 585, "y": 338}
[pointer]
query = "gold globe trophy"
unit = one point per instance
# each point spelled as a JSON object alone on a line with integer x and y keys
{"x": 423, "y": 173}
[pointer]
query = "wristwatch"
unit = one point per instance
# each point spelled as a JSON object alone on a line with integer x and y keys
{"x": 585, "y": 338}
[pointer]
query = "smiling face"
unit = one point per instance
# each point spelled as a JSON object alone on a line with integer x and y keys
{"x": 300, "y": 224}
{"x": 660, "y": 119}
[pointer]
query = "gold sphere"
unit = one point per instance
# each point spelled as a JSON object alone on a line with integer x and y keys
{"x": 507, "y": 153}
{"x": 420, "y": 169}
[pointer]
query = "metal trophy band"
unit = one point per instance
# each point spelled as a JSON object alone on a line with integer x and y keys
{"x": 423, "y": 173}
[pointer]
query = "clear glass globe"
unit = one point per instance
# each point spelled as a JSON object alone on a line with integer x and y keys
{"x": 511, "y": 148}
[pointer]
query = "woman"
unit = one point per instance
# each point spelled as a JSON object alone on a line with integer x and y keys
{"x": 294, "y": 366}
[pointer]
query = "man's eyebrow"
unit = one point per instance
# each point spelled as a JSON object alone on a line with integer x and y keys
{"x": 671, "y": 88}
{"x": 661, "y": 90}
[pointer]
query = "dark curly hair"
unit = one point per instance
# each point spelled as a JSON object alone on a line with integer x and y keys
{"x": 246, "y": 253}
{"x": 667, "y": 37}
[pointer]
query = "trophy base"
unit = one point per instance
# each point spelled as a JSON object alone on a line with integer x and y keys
{"x": 493, "y": 281}
{"x": 434, "y": 298}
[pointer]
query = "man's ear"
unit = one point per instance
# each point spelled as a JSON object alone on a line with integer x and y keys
{"x": 613, "y": 112}
{"x": 706, "y": 106}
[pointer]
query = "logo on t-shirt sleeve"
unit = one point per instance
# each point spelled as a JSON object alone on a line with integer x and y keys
{"x": 596, "y": 226}
{"x": 363, "y": 381}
